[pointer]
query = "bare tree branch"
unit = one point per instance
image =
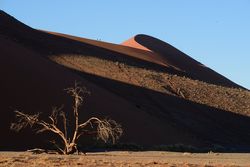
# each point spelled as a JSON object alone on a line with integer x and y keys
{"x": 24, "y": 120}
{"x": 57, "y": 146}
{"x": 106, "y": 129}
{"x": 63, "y": 115}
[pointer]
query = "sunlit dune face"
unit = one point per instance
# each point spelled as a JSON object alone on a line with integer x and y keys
{"x": 134, "y": 44}
{"x": 163, "y": 82}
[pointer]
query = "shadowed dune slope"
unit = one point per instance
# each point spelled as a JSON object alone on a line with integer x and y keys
{"x": 177, "y": 59}
{"x": 159, "y": 95}
{"x": 32, "y": 84}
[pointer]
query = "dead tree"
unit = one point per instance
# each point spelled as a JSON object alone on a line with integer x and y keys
{"x": 105, "y": 129}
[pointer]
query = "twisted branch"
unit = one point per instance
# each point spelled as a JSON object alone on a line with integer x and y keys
{"x": 106, "y": 129}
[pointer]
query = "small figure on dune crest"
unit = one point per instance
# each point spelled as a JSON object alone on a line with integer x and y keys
{"x": 105, "y": 129}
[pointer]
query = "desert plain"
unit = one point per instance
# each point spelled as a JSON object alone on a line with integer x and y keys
{"x": 127, "y": 159}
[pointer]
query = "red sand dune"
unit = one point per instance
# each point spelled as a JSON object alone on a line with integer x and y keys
{"x": 32, "y": 81}
{"x": 154, "y": 50}
{"x": 174, "y": 58}
{"x": 134, "y": 44}
{"x": 32, "y": 84}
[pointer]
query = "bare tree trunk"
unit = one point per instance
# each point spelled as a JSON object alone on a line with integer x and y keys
{"x": 106, "y": 129}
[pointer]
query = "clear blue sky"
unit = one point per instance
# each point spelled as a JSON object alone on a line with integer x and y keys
{"x": 215, "y": 32}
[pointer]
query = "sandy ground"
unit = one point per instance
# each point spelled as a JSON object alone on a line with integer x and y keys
{"x": 124, "y": 158}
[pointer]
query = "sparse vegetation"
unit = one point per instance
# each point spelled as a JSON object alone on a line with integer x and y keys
{"x": 105, "y": 129}
{"x": 229, "y": 99}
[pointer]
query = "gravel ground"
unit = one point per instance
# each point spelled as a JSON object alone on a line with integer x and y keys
{"x": 124, "y": 158}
